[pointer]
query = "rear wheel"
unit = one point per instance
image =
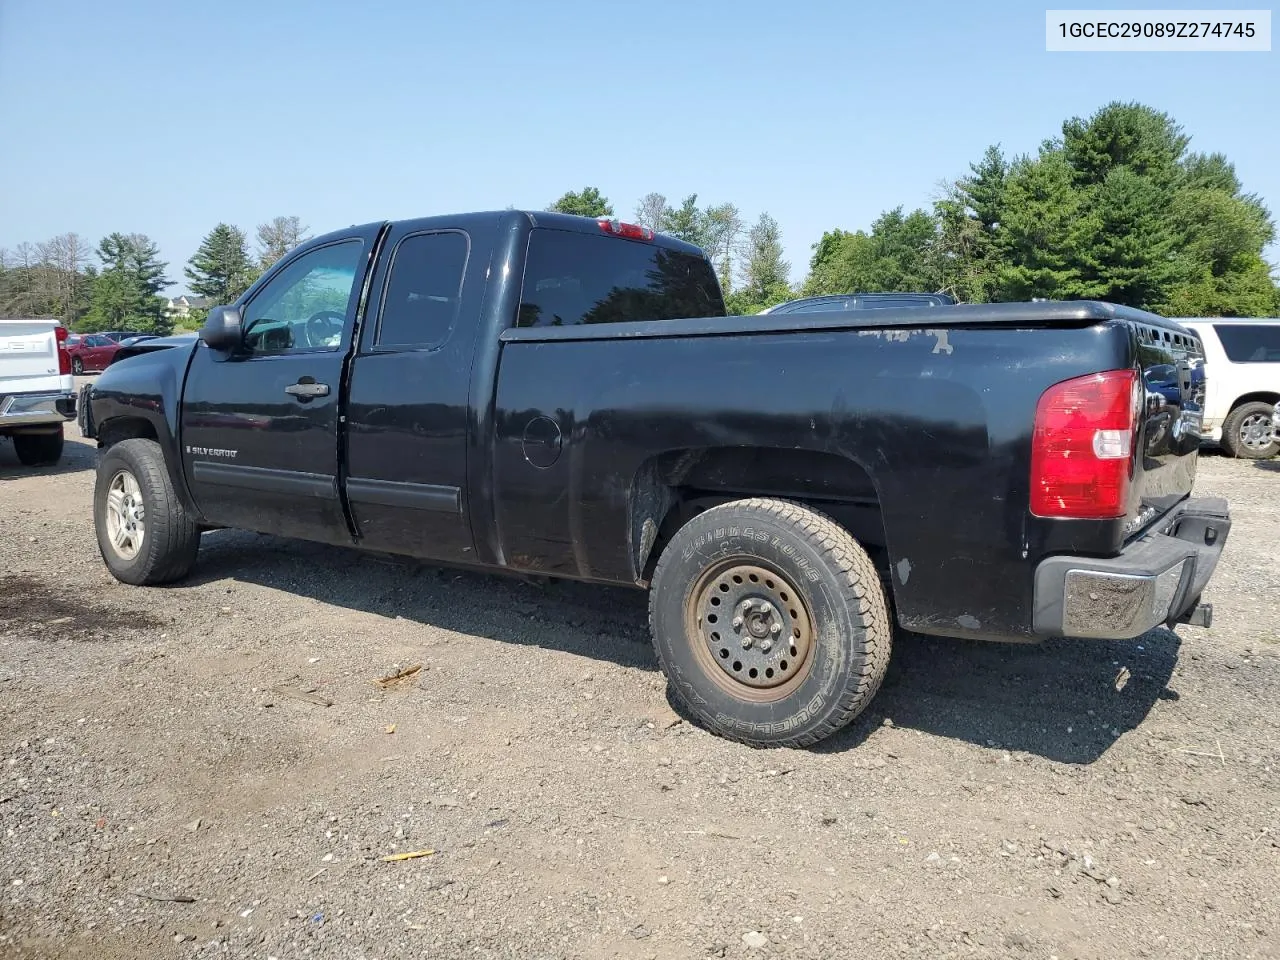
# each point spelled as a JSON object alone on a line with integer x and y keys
{"x": 38, "y": 449}
{"x": 770, "y": 622}
{"x": 144, "y": 533}
{"x": 1249, "y": 431}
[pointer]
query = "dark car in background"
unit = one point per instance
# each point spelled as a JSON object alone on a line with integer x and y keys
{"x": 860, "y": 301}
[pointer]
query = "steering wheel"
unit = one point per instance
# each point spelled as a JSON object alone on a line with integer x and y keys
{"x": 324, "y": 328}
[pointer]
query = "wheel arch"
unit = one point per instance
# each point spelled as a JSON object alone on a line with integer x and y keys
{"x": 130, "y": 426}
{"x": 125, "y": 428}
{"x": 1258, "y": 396}
{"x": 672, "y": 487}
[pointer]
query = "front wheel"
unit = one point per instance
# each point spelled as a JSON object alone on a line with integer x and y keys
{"x": 770, "y": 622}
{"x": 1249, "y": 431}
{"x": 145, "y": 535}
{"x": 77, "y": 366}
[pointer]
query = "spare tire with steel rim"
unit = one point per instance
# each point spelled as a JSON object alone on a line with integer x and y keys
{"x": 770, "y": 622}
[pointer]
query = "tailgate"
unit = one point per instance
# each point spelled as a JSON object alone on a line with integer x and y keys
{"x": 1173, "y": 372}
{"x": 28, "y": 357}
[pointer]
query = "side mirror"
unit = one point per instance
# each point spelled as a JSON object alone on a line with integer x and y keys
{"x": 223, "y": 329}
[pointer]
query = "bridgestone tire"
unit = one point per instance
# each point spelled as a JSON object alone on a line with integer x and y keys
{"x": 171, "y": 539}
{"x": 1234, "y": 444}
{"x": 38, "y": 449}
{"x": 843, "y": 607}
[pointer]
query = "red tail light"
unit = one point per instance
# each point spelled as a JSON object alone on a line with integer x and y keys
{"x": 1082, "y": 448}
{"x": 64, "y": 358}
{"x": 631, "y": 231}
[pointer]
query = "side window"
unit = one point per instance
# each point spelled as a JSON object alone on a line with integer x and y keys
{"x": 1250, "y": 342}
{"x": 304, "y": 306}
{"x": 423, "y": 290}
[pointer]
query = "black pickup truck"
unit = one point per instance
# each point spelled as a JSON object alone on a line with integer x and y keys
{"x": 561, "y": 396}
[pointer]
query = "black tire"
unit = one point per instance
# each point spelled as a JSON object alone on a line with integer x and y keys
{"x": 77, "y": 366}
{"x": 38, "y": 449}
{"x": 714, "y": 559}
{"x": 166, "y": 548}
{"x": 1234, "y": 425}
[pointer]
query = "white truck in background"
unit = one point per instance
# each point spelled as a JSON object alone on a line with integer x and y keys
{"x": 37, "y": 391}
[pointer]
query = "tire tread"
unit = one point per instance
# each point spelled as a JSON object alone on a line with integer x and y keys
{"x": 172, "y": 537}
{"x": 863, "y": 594}
{"x": 39, "y": 449}
{"x": 1231, "y": 430}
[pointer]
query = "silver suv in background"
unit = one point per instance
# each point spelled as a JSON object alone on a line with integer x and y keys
{"x": 1242, "y": 362}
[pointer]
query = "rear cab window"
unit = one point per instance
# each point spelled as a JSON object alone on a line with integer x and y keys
{"x": 1250, "y": 342}
{"x": 575, "y": 278}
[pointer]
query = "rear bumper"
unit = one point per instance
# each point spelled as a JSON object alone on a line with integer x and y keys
{"x": 1155, "y": 580}
{"x": 18, "y": 410}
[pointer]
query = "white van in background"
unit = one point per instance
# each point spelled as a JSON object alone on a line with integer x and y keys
{"x": 37, "y": 391}
{"x": 1242, "y": 366}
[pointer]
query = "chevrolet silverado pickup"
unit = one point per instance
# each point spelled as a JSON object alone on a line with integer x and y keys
{"x": 37, "y": 392}
{"x": 559, "y": 396}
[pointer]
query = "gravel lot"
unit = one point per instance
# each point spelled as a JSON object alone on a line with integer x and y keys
{"x": 160, "y": 796}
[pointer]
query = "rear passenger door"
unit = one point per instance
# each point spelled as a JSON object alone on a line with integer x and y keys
{"x": 407, "y": 421}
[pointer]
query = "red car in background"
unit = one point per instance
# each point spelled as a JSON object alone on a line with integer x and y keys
{"x": 90, "y": 352}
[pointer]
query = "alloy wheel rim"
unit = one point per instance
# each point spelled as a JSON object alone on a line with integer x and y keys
{"x": 126, "y": 515}
{"x": 1256, "y": 431}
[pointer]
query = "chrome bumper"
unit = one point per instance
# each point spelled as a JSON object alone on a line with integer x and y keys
{"x": 36, "y": 409}
{"x": 1156, "y": 580}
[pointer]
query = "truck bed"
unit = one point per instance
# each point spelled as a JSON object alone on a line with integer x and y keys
{"x": 912, "y": 427}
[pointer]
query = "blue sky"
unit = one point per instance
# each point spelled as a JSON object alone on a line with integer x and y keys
{"x": 164, "y": 118}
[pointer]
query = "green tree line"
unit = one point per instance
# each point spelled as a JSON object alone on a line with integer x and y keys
{"x": 121, "y": 291}
{"x": 1115, "y": 208}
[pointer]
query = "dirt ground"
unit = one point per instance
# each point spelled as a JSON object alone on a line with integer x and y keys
{"x": 172, "y": 783}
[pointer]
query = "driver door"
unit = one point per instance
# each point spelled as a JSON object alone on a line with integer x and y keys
{"x": 260, "y": 426}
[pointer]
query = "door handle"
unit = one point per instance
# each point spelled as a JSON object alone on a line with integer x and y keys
{"x": 306, "y": 389}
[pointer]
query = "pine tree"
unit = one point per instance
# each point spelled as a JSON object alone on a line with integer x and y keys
{"x": 221, "y": 269}
{"x": 686, "y": 222}
{"x": 126, "y": 292}
{"x": 765, "y": 273}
